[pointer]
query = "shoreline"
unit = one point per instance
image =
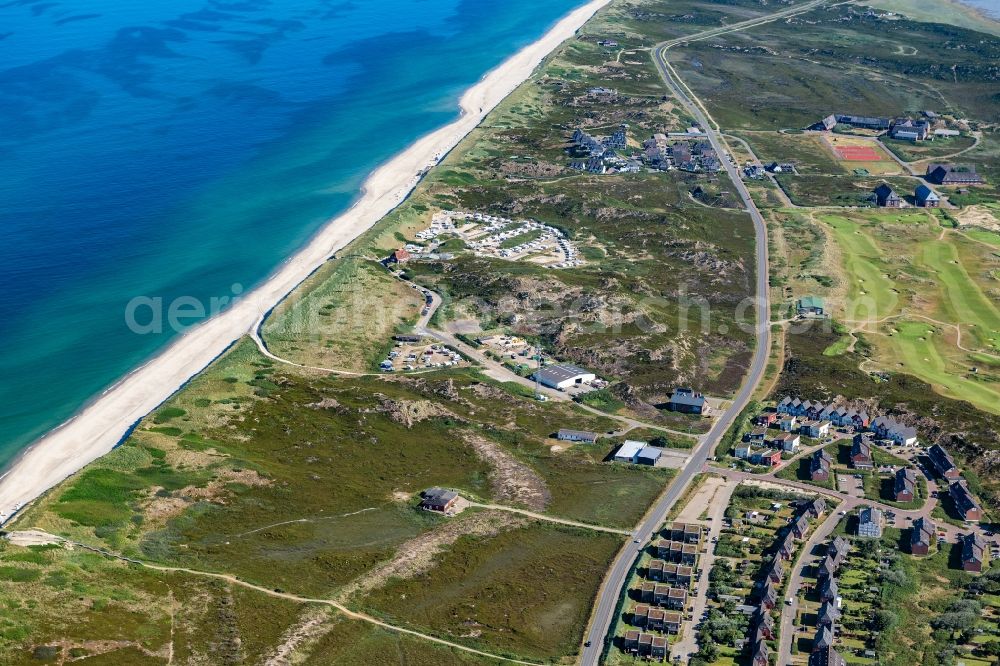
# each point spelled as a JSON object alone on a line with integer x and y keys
{"x": 103, "y": 422}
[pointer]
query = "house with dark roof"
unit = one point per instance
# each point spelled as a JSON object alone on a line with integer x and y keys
{"x": 631, "y": 641}
{"x": 819, "y": 465}
{"x": 904, "y": 488}
{"x": 686, "y": 532}
{"x": 640, "y": 615}
{"x": 763, "y": 622}
{"x": 826, "y": 124}
{"x": 786, "y": 549}
{"x": 965, "y": 503}
{"x": 839, "y": 548}
{"x": 827, "y": 657}
{"x": 816, "y": 507}
{"x": 823, "y": 639}
{"x": 861, "y": 452}
{"x": 770, "y": 457}
{"x": 685, "y": 400}
{"x": 438, "y": 499}
{"x": 827, "y": 568}
{"x": 886, "y": 197}
{"x": 871, "y": 521}
{"x": 926, "y": 197}
{"x": 828, "y": 590}
{"x": 974, "y": 552}
{"x": 828, "y": 615}
{"x": 943, "y": 463}
{"x": 776, "y": 570}
{"x": 800, "y": 527}
{"x": 953, "y": 174}
{"x": 760, "y": 656}
{"x": 922, "y": 534}
{"x": 768, "y": 596}
{"x": 864, "y": 122}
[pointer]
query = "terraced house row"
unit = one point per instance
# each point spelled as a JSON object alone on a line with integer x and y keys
{"x": 662, "y": 597}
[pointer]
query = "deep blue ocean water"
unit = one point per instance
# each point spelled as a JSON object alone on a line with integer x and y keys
{"x": 176, "y": 148}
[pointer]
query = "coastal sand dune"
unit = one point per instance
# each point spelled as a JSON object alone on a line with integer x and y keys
{"x": 101, "y": 425}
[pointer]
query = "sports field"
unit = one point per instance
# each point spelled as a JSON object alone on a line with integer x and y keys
{"x": 860, "y": 153}
{"x": 925, "y": 296}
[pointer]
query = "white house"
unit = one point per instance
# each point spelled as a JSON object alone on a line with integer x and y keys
{"x": 629, "y": 451}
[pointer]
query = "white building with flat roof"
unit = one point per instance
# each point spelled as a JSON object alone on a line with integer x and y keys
{"x": 563, "y": 376}
{"x": 629, "y": 451}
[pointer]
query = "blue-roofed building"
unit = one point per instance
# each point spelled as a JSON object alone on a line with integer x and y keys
{"x": 687, "y": 401}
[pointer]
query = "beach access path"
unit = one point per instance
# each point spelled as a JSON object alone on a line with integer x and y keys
{"x": 102, "y": 424}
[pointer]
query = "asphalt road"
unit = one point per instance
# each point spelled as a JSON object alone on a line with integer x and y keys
{"x": 614, "y": 582}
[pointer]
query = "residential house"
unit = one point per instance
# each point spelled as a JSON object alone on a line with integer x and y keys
{"x": 645, "y": 644}
{"x": 677, "y": 598}
{"x": 819, "y": 465}
{"x": 786, "y": 441}
{"x": 660, "y": 594}
{"x": 861, "y": 452}
{"x": 828, "y": 590}
{"x": 776, "y": 571}
{"x": 686, "y": 532}
{"x": 974, "y": 552}
{"x": 763, "y": 622}
{"x": 943, "y": 463}
{"x": 629, "y": 451}
{"x": 770, "y": 457}
{"x": 887, "y": 427}
{"x": 871, "y": 522}
{"x": 905, "y": 485}
{"x": 743, "y": 451}
{"x": 640, "y": 615}
{"x": 815, "y": 428}
{"x": 816, "y": 508}
{"x": 682, "y": 575}
{"x": 839, "y": 548}
{"x": 827, "y": 568}
{"x": 685, "y": 400}
{"x": 953, "y": 174}
{"x": 672, "y": 622}
{"x": 585, "y": 436}
{"x": 786, "y": 549}
{"x": 922, "y": 535}
{"x": 926, "y": 197}
{"x": 659, "y": 648}
{"x": 438, "y": 499}
{"x": 760, "y": 656}
{"x": 646, "y": 590}
{"x": 907, "y": 129}
{"x": 800, "y": 527}
{"x": 789, "y": 423}
{"x": 811, "y": 305}
{"x": 654, "y": 619}
{"x": 648, "y": 455}
{"x": 768, "y": 596}
{"x": 766, "y": 418}
{"x": 789, "y": 405}
{"x": 886, "y": 197}
{"x": 400, "y": 256}
{"x": 827, "y": 657}
{"x": 827, "y": 123}
{"x": 757, "y": 434}
{"x": 965, "y": 503}
{"x": 654, "y": 570}
{"x": 823, "y": 638}
{"x": 631, "y": 643}
{"x": 828, "y": 615}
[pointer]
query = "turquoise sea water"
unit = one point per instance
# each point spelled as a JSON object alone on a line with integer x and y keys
{"x": 177, "y": 148}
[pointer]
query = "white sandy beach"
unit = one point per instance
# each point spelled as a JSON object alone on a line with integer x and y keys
{"x": 95, "y": 430}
